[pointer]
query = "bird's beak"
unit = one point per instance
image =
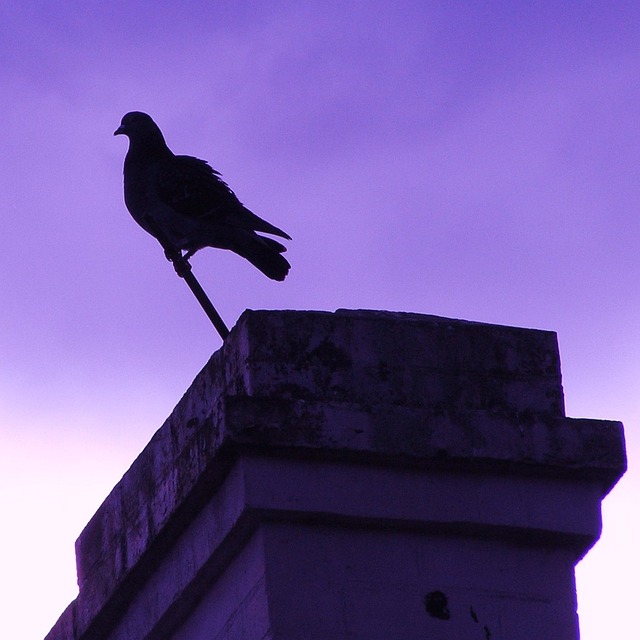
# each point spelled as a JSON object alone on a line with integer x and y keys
{"x": 119, "y": 130}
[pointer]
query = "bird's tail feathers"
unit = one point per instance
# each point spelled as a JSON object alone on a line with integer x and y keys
{"x": 264, "y": 254}
{"x": 274, "y": 244}
{"x": 256, "y": 223}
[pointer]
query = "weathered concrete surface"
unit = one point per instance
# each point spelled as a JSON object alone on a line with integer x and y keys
{"x": 449, "y": 436}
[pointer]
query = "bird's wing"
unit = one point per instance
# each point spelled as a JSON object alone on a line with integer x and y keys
{"x": 195, "y": 190}
{"x": 192, "y": 188}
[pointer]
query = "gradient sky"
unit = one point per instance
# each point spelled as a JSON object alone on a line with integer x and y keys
{"x": 474, "y": 160}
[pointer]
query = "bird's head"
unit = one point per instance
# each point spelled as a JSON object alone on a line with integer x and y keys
{"x": 143, "y": 133}
{"x": 135, "y": 123}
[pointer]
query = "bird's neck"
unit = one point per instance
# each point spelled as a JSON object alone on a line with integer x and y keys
{"x": 149, "y": 147}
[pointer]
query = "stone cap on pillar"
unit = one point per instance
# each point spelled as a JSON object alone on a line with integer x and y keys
{"x": 390, "y": 388}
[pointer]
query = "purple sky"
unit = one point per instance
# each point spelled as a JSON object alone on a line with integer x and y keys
{"x": 474, "y": 160}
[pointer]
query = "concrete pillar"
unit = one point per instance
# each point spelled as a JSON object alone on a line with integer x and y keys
{"x": 354, "y": 475}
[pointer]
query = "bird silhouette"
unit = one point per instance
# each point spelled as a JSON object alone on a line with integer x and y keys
{"x": 185, "y": 204}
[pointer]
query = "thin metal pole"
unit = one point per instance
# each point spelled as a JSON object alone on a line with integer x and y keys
{"x": 183, "y": 269}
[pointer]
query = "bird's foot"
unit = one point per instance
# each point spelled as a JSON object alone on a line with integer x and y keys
{"x": 180, "y": 262}
{"x": 181, "y": 265}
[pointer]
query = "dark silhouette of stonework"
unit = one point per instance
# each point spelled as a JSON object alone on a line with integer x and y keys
{"x": 358, "y": 475}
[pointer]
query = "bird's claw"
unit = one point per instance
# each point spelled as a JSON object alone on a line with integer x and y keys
{"x": 180, "y": 262}
{"x": 182, "y": 266}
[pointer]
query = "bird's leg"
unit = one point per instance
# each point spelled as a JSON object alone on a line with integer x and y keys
{"x": 172, "y": 254}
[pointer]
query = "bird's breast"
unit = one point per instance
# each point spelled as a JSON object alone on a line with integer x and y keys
{"x": 149, "y": 210}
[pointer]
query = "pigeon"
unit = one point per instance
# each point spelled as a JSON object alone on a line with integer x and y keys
{"x": 186, "y": 206}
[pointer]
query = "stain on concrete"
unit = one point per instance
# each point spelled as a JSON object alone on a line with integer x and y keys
{"x": 437, "y": 605}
